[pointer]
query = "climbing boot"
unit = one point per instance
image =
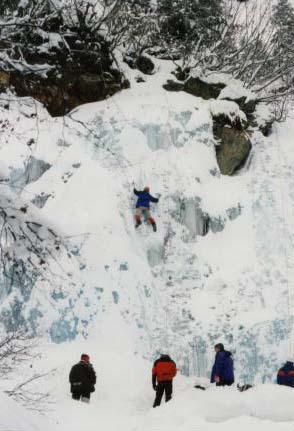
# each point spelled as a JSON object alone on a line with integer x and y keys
{"x": 138, "y": 223}
{"x": 154, "y": 227}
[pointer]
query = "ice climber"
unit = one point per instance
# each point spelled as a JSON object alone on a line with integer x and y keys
{"x": 82, "y": 378}
{"x": 163, "y": 372}
{"x": 143, "y": 207}
{"x": 286, "y": 374}
{"x": 223, "y": 369}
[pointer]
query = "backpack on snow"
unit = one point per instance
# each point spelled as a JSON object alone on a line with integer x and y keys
{"x": 244, "y": 387}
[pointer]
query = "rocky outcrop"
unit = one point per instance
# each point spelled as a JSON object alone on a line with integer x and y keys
{"x": 250, "y": 107}
{"x": 4, "y": 81}
{"x": 62, "y": 95}
{"x": 195, "y": 86}
{"x": 229, "y": 122}
{"x": 89, "y": 86}
{"x": 229, "y": 129}
{"x": 227, "y": 113}
{"x": 222, "y": 120}
{"x": 198, "y": 87}
{"x": 182, "y": 74}
{"x": 164, "y": 53}
{"x": 230, "y": 117}
{"x": 142, "y": 63}
{"x": 65, "y": 75}
{"x": 173, "y": 86}
{"x": 247, "y": 106}
{"x": 233, "y": 149}
{"x": 145, "y": 65}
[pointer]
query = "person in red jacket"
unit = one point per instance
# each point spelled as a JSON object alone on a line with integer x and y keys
{"x": 163, "y": 372}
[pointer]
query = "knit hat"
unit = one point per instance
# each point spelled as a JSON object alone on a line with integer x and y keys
{"x": 85, "y": 357}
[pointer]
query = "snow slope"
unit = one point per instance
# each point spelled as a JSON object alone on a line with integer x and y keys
{"x": 124, "y": 395}
{"x": 218, "y": 269}
{"x": 16, "y": 418}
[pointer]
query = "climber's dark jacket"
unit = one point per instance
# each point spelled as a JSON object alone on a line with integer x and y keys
{"x": 144, "y": 199}
{"x": 223, "y": 367}
{"x": 83, "y": 377}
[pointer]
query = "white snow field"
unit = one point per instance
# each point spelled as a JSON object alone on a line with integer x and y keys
{"x": 124, "y": 396}
{"x": 219, "y": 269}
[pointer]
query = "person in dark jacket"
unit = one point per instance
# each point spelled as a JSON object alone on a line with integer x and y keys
{"x": 286, "y": 375}
{"x": 82, "y": 378}
{"x": 223, "y": 368}
{"x": 143, "y": 207}
{"x": 163, "y": 372}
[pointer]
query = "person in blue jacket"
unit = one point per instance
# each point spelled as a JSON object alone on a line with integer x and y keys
{"x": 223, "y": 368}
{"x": 286, "y": 375}
{"x": 143, "y": 207}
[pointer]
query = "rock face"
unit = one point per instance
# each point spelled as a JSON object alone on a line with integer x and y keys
{"x": 62, "y": 95}
{"x": 196, "y": 87}
{"x": 4, "y": 80}
{"x": 182, "y": 74}
{"x": 233, "y": 149}
{"x": 227, "y": 113}
{"x": 222, "y": 120}
{"x": 145, "y": 65}
{"x": 173, "y": 86}
{"x": 142, "y": 63}
{"x": 229, "y": 129}
{"x": 246, "y": 106}
{"x": 66, "y": 76}
{"x": 234, "y": 144}
{"x": 164, "y": 53}
{"x": 199, "y": 88}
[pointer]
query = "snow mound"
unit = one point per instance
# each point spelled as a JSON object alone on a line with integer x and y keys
{"x": 16, "y": 418}
{"x": 228, "y": 109}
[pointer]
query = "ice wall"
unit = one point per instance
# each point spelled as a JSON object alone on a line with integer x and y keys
{"x": 214, "y": 270}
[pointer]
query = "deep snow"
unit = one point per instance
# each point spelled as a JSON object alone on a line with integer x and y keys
{"x": 124, "y": 395}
